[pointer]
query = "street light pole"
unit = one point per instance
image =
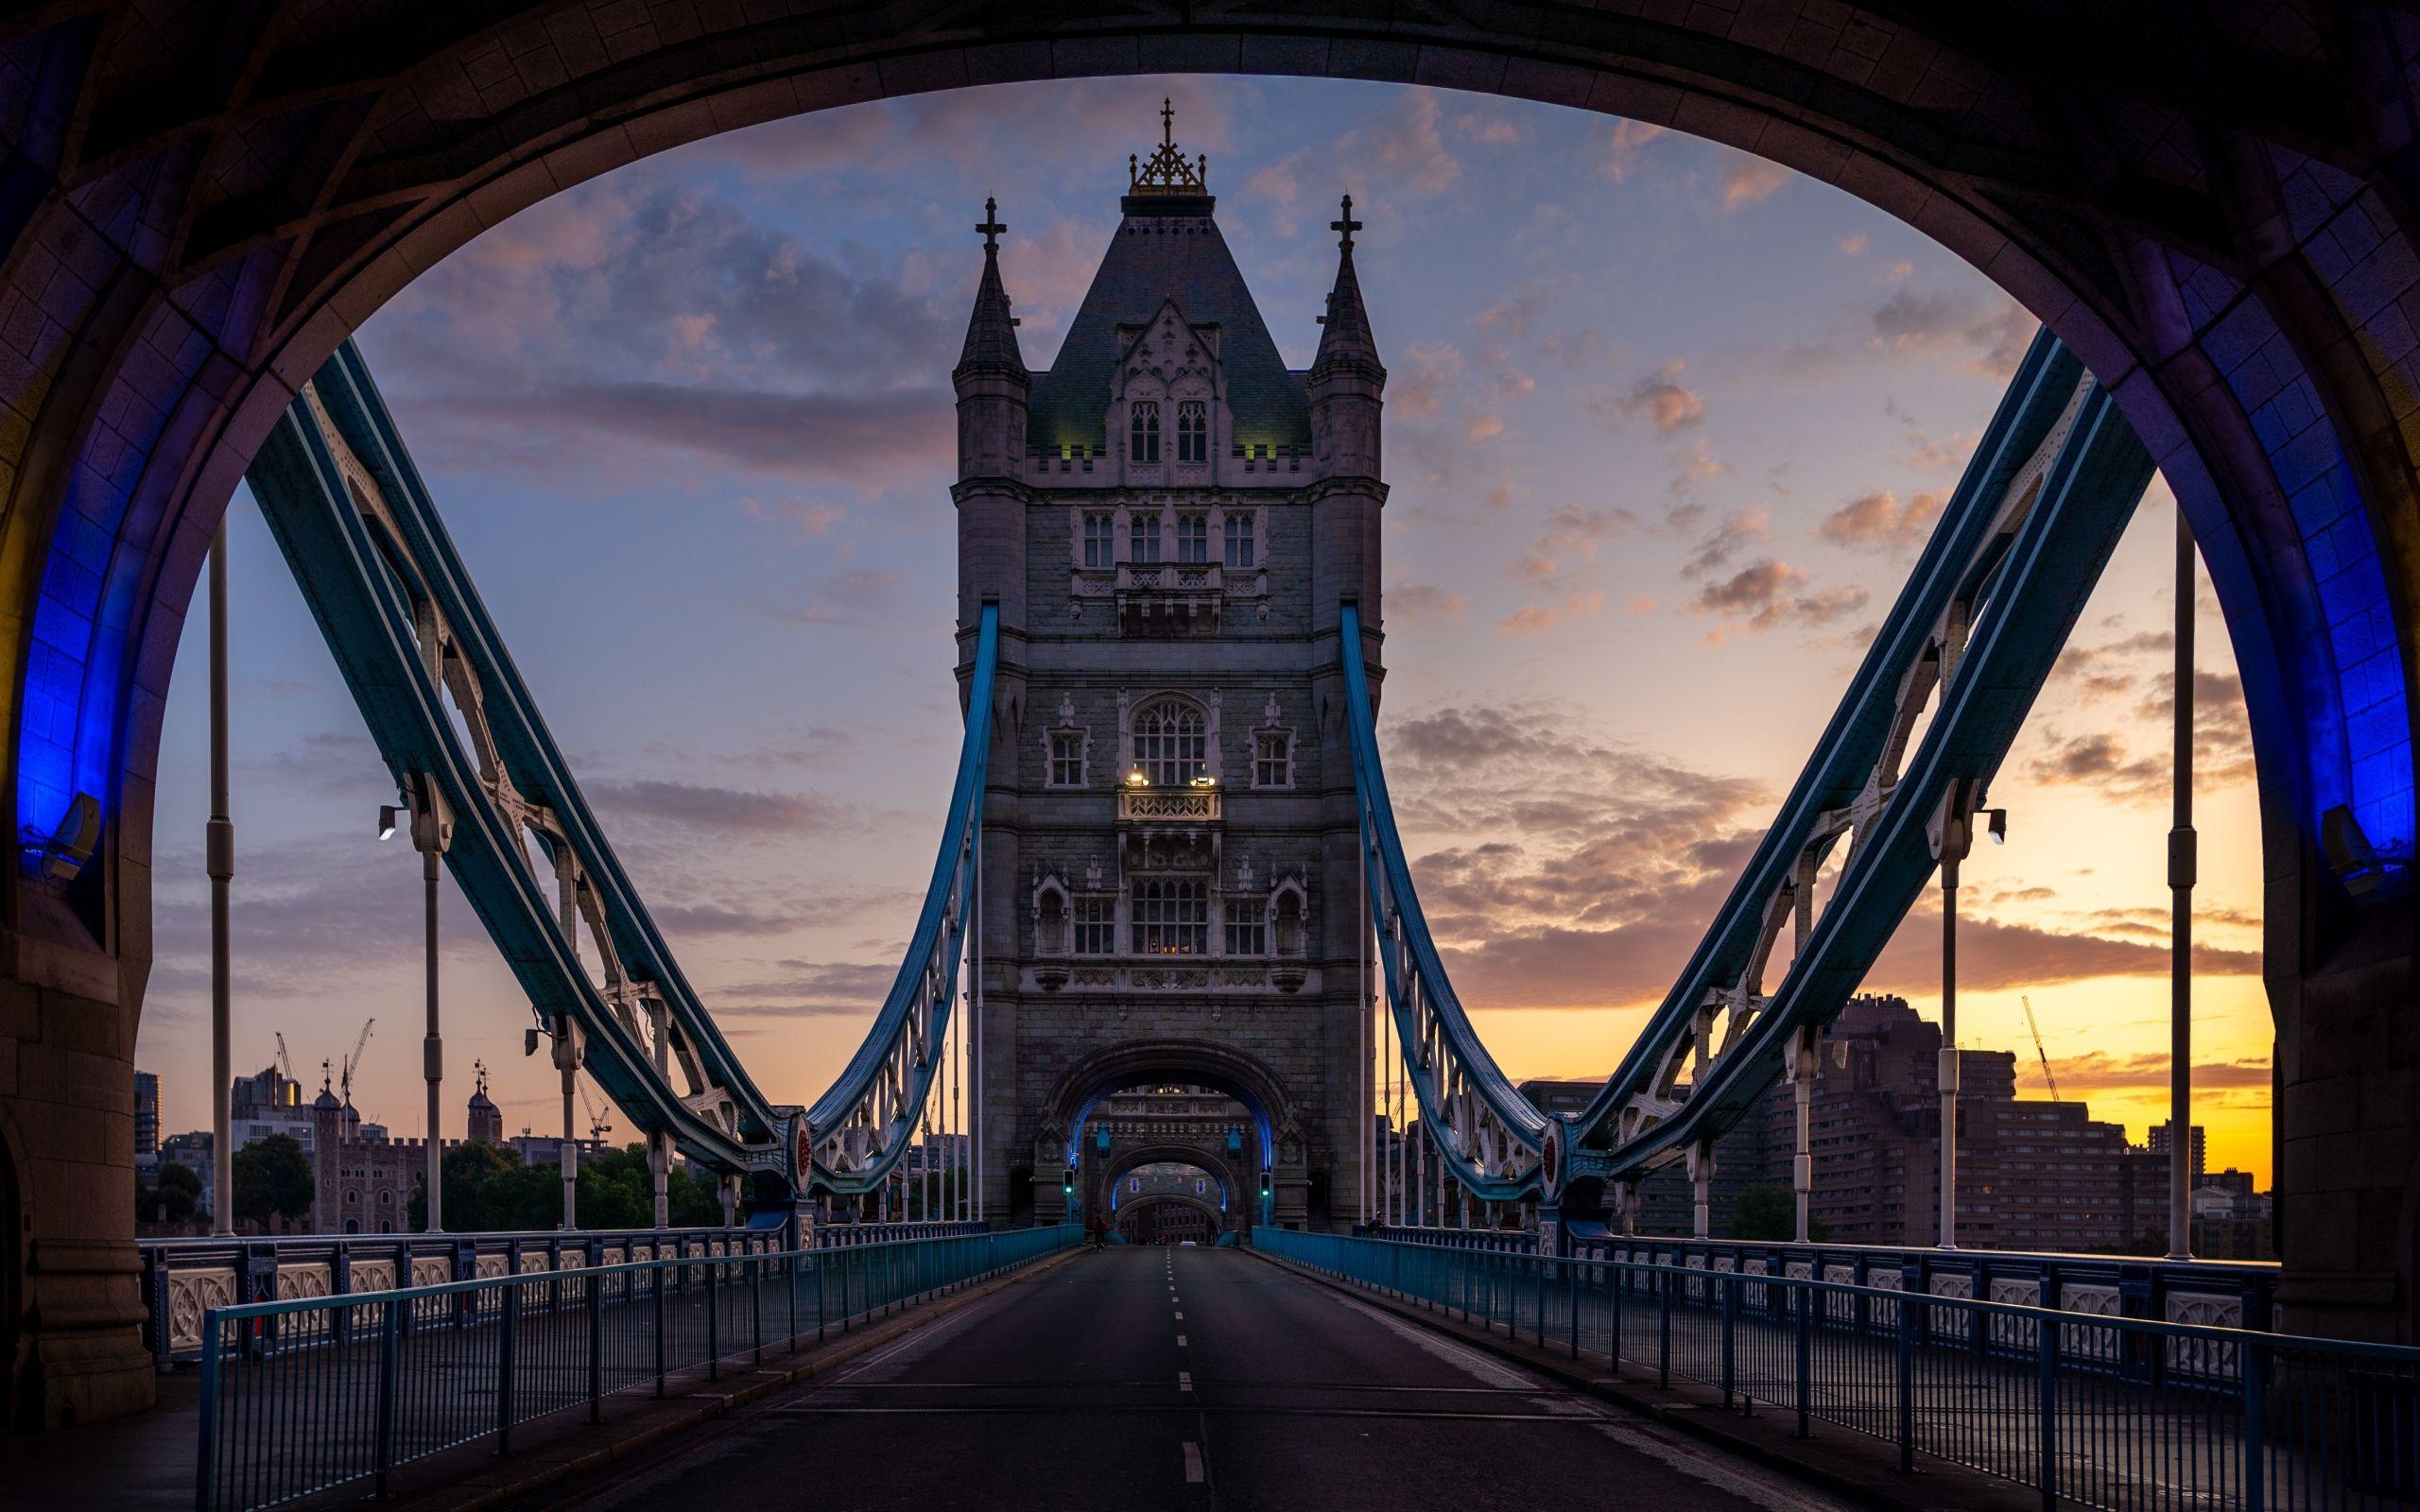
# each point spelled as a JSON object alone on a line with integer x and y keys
{"x": 219, "y": 853}
{"x": 2182, "y": 867}
{"x": 432, "y": 833}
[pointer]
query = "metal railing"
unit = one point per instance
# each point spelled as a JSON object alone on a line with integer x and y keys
{"x": 183, "y": 1279}
{"x": 2121, "y": 1413}
{"x": 307, "y": 1393}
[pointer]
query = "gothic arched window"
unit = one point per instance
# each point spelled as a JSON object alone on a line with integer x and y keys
{"x": 1171, "y": 743}
{"x": 1146, "y": 446}
{"x": 1192, "y": 431}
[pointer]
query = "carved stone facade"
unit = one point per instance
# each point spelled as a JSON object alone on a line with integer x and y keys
{"x": 1170, "y": 519}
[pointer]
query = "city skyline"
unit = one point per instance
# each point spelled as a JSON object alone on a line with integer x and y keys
{"x": 1703, "y": 485}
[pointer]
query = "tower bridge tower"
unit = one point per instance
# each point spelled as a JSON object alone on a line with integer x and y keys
{"x": 1170, "y": 519}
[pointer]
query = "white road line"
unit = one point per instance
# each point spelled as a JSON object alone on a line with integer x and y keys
{"x": 1181, "y": 1344}
{"x": 1192, "y": 1464}
{"x": 1184, "y": 1381}
{"x": 1180, "y": 1317}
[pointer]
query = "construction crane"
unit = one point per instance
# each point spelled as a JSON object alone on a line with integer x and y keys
{"x": 285, "y": 1062}
{"x": 359, "y": 1044}
{"x": 2038, "y": 1051}
{"x": 598, "y": 1126}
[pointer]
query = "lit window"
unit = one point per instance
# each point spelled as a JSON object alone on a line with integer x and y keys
{"x": 1193, "y": 538}
{"x": 1146, "y": 429}
{"x": 1171, "y": 918}
{"x": 1239, "y": 541}
{"x": 1273, "y": 758}
{"x": 1096, "y": 926}
{"x": 1171, "y": 745}
{"x": 1193, "y": 431}
{"x": 1247, "y": 927}
{"x": 1144, "y": 533}
{"x": 1066, "y": 758}
{"x": 1101, "y": 542}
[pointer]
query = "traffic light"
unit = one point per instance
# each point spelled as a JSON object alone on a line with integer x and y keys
{"x": 1264, "y": 1184}
{"x": 1067, "y": 1181}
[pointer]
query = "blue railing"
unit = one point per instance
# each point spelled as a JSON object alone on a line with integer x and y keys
{"x": 313, "y": 1392}
{"x": 2113, "y": 1412}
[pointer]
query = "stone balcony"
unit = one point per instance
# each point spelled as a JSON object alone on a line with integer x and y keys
{"x": 1169, "y": 805}
{"x": 1169, "y": 598}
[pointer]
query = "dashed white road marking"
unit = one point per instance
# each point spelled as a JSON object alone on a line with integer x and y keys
{"x": 1181, "y": 1344}
{"x": 1180, "y": 1317}
{"x": 1192, "y": 1463}
{"x": 1184, "y": 1381}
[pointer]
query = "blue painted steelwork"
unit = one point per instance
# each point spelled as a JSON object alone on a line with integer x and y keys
{"x": 312, "y": 1393}
{"x": 455, "y": 724}
{"x": 1982, "y": 617}
{"x": 1493, "y": 1135}
{"x": 2121, "y": 1413}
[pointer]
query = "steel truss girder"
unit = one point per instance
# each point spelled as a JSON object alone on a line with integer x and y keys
{"x": 1982, "y": 618}
{"x": 356, "y": 524}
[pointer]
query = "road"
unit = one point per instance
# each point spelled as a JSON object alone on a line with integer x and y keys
{"x": 1150, "y": 1378}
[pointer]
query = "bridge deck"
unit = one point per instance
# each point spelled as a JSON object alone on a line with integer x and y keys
{"x": 1181, "y": 1378}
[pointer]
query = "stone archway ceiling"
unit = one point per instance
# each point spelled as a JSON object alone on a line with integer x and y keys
{"x": 199, "y": 202}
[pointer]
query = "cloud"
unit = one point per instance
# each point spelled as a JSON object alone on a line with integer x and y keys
{"x": 1854, "y": 246}
{"x": 1660, "y": 397}
{"x": 1744, "y": 528}
{"x": 1623, "y": 145}
{"x": 726, "y": 810}
{"x": 1982, "y": 334}
{"x": 1994, "y": 956}
{"x": 809, "y": 989}
{"x": 2097, "y": 1070}
{"x": 849, "y": 596}
{"x": 1880, "y": 520}
{"x": 1698, "y": 465}
{"x": 1768, "y": 594}
{"x": 1417, "y": 392}
{"x": 1536, "y": 619}
{"x": 1567, "y": 543}
{"x": 1410, "y": 603}
{"x": 1404, "y": 145}
{"x": 1750, "y": 179}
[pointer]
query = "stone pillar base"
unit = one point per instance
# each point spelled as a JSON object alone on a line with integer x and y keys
{"x": 83, "y": 1339}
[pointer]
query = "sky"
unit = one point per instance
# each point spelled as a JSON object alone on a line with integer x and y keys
{"x": 1666, "y": 426}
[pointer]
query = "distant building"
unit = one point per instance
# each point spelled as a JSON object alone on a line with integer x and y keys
{"x": 2030, "y": 1175}
{"x": 193, "y": 1152}
{"x": 364, "y": 1181}
{"x": 268, "y": 1102}
{"x": 146, "y": 1113}
{"x": 2156, "y": 1141}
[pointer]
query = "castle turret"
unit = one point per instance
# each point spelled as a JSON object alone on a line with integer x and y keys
{"x": 993, "y": 384}
{"x": 486, "y": 1118}
{"x": 1345, "y": 382}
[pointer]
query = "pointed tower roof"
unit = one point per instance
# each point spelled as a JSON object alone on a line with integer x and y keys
{"x": 1345, "y": 338}
{"x": 1168, "y": 247}
{"x": 991, "y": 331}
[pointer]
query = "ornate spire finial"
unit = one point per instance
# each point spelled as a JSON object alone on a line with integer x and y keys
{"x": 990, "y": 227}
{"x": 1348, "y": 226}
{"x": 481, "y": 1068}
{"x": 1166, "y": 171}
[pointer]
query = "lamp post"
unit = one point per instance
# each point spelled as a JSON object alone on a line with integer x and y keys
{"x": 220, "y": 851}
{"x": 432, "y": 833}
{"x": 1953, "y": 836}
{"x": 2182, "y": 867}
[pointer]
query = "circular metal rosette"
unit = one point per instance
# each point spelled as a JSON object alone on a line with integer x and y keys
{"x": 1553, "y": 1169}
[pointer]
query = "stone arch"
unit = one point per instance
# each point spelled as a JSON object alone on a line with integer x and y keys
{"x": 162, "y": 317}
{"x": 1213, "y": 1163}
{"x": 1220, "y": 1222}
{"x": 1223, "y": 1067}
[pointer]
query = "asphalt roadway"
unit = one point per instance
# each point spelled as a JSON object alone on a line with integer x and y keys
{"x": 1149, "y": 1378}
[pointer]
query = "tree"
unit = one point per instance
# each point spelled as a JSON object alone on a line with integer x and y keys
{"x": 272, "y": 1180}
{"x": 1769, "y": 1214}
{"x": 172, "y": 1200}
